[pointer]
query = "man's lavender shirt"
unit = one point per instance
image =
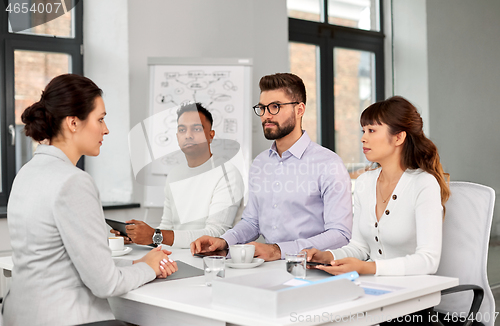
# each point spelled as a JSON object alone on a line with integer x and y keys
{"x": 300, "y": 200}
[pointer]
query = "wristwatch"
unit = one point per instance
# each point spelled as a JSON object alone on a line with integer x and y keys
{"x": 157, "y": 237}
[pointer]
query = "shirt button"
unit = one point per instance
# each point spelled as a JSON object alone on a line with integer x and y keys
{"x": 376, "y": 224}
{"x": 380, "y": 251}
{"x": 394, "y": 197}
{"x": 376, "y": 238}
{"x": 281, "y": 163}
{"x": 274, "y": 206}
{"x": 274, "y": 227}
{"x": 387, "y": 212}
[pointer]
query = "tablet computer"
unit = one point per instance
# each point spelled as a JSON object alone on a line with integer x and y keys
{"x": 118, "y": 226}
{"x": 222, "y": 253}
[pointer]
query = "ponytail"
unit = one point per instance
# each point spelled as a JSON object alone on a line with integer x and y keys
{"x": 418, "y": 150}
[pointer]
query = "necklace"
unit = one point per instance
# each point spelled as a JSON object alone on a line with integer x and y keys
{"x": 382, "y": 196}
{"x": 379, "y": 188}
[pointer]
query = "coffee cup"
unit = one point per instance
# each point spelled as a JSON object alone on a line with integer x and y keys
{"x": 115, "y": 243}
{"x": 242, "y": 253}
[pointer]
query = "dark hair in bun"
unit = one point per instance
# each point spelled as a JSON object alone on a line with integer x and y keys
{"x": 66, "y": 95}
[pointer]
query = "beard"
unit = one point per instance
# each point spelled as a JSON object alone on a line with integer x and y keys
{"x": 280, "y": 131}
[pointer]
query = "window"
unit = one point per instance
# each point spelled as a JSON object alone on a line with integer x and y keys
{"x": 34, "y": 48}
{"x": 304, "y": 60}
{"x": 337, "y": 48}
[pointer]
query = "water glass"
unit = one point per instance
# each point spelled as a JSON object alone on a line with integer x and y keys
{"x": 296, "y": 264}
{"x": 214, "y": 266}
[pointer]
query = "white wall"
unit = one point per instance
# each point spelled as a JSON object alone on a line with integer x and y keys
{"x": 409, "y": 54}
{"x": 464, "y": 94}
{"x": 106, "y": 49}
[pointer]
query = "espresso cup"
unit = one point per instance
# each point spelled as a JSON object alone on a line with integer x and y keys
{"x": 115, "y": 243}
{"x": 242, "y": 253}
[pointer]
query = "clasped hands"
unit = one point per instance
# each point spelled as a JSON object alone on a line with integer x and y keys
{"x": 268, "y": 252}
{"x": 159, "y": 261}
{"x": 339, "y": 266}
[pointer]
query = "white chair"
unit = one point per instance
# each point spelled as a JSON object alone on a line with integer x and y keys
{"x": 466, "y": 234}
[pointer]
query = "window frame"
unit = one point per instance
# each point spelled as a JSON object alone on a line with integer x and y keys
{"x": 10, "y": 42}
{"x": 328, "y": 37}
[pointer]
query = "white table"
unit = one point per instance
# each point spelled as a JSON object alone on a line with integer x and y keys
{"x": 188, "y": 301}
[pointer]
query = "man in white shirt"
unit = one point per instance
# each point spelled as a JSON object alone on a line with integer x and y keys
{"x": 201, "y": 198}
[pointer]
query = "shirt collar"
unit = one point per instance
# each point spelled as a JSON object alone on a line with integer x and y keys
{"x": 52, "y": 151}
{"x": 297, "y": 149}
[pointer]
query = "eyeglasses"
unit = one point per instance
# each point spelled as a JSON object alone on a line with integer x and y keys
{"x": 273, "y": 108}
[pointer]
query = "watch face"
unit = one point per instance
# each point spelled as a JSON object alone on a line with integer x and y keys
{"x": 157, "y": 238}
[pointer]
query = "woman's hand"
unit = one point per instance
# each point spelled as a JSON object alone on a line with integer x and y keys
{"x": 159, "y": 261}
{"x": 168, "y": 267}
{"x": 315, "y": 255}
{"x": 349, "y": 264}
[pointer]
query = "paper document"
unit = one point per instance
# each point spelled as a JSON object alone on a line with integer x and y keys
{"x": 378, "y": 289}
{"x": 296, "y": 282}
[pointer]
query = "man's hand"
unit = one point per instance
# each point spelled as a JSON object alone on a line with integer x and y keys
{"x": 349, "y": 264}
{"x": 206, "y": 244}
{"x": 139, "y": 232}
{"x": 126, "y": 240}
{"x": 268, "y": 252}
{"x": 315, "y": 255}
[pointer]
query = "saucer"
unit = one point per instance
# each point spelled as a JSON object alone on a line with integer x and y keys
{"x": 116, "y": 253}
{"x": 255, "y": 262}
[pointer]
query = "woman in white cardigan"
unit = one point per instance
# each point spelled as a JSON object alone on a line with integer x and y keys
{"x": 398, "y": 207}
{"x": 63, "y": 269}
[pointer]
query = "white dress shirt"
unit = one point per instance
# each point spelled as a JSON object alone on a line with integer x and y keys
{"x": 299, "y": 200}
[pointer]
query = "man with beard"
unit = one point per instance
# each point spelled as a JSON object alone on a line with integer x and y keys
{"x": 299, "y": 191}
{"x": 202, "y": 197}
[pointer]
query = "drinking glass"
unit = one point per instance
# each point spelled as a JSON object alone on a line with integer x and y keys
{"x": 214, "y": 266}
{"x": 296, "y": 264}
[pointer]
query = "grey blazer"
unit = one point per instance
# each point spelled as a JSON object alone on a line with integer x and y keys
{"x": 63, "y": 270}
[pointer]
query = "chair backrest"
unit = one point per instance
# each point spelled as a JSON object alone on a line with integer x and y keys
{"x": 466, "y": 234}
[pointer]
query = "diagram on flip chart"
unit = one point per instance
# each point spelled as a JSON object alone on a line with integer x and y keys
{"x": 220, "y": 89}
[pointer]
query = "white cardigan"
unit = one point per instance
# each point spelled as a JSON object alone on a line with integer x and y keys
{"x": 407, "y": 239}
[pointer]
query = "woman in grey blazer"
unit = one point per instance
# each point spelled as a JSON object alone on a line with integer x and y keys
{"x": 63, "y": 270}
